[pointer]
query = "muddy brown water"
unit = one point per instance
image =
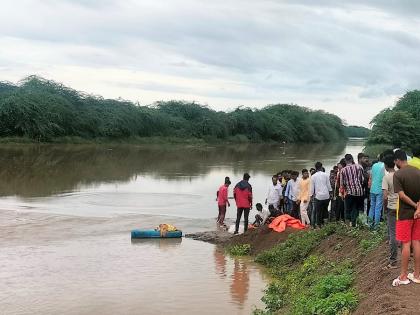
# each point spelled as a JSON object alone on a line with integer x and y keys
{"x": 66, "y": 212}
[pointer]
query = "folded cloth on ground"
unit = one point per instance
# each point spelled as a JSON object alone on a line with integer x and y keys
{"x": 280, "y": 223}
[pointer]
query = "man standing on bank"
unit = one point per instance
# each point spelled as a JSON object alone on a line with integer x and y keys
{"x": 222, "y": 201}
{"x": 406, "y": 185}
{"x": 274, "y": 193}
{"x": 243, "y": 197}
{"x": 321, "y": 190}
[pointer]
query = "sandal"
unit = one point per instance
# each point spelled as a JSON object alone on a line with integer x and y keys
{"x": 397, "y": 282}
{"x": 412, "y": 278}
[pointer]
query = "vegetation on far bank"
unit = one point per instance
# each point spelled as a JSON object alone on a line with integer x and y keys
{"x": 357, "y": 132}
{"x": 47, "y": 111}
{"x": 307, "y": 280}
{"x": 398, "y": 126}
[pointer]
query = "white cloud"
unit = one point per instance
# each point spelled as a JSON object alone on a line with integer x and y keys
{"x": 350, "y": 58}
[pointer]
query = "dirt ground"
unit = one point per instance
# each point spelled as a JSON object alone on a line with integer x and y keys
{"x": 262, "y": 238}
{"x": 373, "y": 280}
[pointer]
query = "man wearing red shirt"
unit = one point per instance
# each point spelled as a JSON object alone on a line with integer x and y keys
{"x": 243, "y": 197}
{"x": 222, "y": 201}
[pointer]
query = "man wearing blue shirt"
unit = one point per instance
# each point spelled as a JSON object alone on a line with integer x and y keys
{"x": 376, "y": 194}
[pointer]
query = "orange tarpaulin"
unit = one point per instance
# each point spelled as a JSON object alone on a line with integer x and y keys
{"x": 279, "y": 223}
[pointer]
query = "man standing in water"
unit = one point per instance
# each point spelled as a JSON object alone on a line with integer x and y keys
{"x": 406, "y": 184}
{"x": 274, "y": 193}
{"x": 222, "y": 201}
{"x": 243, "y": 197}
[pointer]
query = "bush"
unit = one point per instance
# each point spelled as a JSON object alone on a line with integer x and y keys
{"x": 239, "y": 250}
{"x": 44, "y": 110}
{"x": 295, "y": 248}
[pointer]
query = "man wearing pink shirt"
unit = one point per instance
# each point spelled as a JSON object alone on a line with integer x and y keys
{"x": 222, "y": 201}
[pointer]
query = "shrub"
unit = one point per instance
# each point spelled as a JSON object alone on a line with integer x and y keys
{"x": 239, "y": 250}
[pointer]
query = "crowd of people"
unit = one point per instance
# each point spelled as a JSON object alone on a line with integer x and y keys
{"x": 385, "y": 189}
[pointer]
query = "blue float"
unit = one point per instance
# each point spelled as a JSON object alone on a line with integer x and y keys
{"x": 154, "y": 234}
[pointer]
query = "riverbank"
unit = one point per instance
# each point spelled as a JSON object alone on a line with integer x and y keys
{"x": 155, "y": 140}
{"x": 334, "y": 270}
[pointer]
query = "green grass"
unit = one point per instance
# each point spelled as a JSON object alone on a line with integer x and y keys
{"x": 239, "y": 250}
{"x": 307, "y": 283}
{"x": 295, "y": 248}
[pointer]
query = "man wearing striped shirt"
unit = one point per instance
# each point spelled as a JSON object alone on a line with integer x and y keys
{"x": 351, "y": 180}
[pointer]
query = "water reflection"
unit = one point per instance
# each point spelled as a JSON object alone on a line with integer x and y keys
{"x": 240, "y": 282}
{"x": 161, "y": 243}
{"x": 220, "y": 262}
{"x": 44, "y": 170}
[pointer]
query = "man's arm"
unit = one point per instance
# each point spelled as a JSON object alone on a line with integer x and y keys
{"x": 407, "y": 199}
{"x": 385, "y": 188}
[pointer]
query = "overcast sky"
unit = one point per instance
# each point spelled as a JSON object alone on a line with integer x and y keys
{"x": 351, "y": 58}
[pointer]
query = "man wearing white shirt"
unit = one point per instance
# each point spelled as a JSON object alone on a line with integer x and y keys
{"x": 274, "y": 193}
{"x": 321, "y": 190}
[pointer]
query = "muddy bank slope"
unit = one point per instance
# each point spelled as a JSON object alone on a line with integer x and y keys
{"x": 260, "y": 239}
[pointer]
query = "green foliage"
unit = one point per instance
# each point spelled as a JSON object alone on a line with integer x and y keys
{"x": 357, "y": 132}
{"x": 373, "y": 239}
{"x": 313, "y": 287}
{"x": 295, "y": 248}
{"x": 239, "y": 250}
{"x": 44, "y": 110}
{"x": 398, "y": 126}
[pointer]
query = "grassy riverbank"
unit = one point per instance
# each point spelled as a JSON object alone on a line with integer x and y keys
{"x": 315, "y": 271}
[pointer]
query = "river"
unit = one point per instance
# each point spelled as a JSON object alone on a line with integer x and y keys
{"x": 67, "y": 211}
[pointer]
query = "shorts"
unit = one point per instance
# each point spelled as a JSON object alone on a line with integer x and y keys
{"x": 408, "y": 230}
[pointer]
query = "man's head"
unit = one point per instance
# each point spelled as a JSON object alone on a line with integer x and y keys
{"x": 227, "y": 181}
{"x": 416, "y": 151}
{"x": 274, "y": 179}
{"x": 305, "y": 173}
{"x": 312, "y": 171}
{"x": 400, "y": 158}
{"x": 258, "y": 206}
{"x": 246, "y": 177}
{"x": 388, "y": 152}
{"x": 341, "y": 164}
{"x": 349, "y": 159}
{"x": 389, "y": 162}
{"x": 318, "y": 166}
{"x": 362, "y": 159}
{"x": 294, "y": 175}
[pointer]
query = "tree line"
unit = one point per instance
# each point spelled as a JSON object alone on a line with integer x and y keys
{"x": 45, "y": 110}
{"x": 400, "y": 125}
